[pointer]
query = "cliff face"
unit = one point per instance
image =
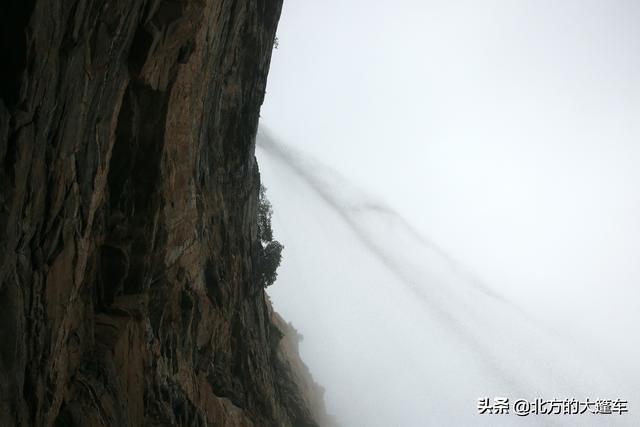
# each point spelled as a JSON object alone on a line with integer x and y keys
{"x": 128, "y": 196}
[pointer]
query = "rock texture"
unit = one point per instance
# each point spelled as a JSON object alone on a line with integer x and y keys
{"x": 128, "y": 195}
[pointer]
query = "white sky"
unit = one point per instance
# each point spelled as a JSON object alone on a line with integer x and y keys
{"x": 506, "y": 131}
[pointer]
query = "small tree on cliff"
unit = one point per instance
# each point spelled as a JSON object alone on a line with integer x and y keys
{"x": 265, "y": 212}
{"x": 270, "y": 251}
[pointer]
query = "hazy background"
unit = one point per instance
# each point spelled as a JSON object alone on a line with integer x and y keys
{"x": 505, "y": 133}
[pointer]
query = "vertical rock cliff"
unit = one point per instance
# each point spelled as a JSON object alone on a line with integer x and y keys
{"x": 128, "y": 197}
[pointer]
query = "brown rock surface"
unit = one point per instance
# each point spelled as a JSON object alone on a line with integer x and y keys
{"x": 128, "y": 193}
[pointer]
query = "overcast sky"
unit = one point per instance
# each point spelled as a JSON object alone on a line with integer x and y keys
{"x": 506, "y": 132}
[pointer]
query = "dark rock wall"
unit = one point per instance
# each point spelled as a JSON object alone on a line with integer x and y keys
{"x": 128, "y": 193}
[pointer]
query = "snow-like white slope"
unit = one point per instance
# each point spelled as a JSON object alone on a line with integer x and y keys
{"x": 398, "y": 332}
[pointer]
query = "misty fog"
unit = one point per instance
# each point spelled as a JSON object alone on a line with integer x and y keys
{"x": 456, "y": 187}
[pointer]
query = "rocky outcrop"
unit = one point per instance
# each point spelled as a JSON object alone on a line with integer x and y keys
{"x": 128, "y": 194}
{"x": 294, "y": 374}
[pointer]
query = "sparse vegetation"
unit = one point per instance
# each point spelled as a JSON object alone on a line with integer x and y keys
{"x": 265, "y": 212}
{"x": 270, "y": 251}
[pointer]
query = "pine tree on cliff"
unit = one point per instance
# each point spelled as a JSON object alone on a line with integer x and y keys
{"x": 270, "y": 250}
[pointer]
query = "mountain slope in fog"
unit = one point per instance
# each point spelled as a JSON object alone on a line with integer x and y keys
{"x": 397, "y": 331}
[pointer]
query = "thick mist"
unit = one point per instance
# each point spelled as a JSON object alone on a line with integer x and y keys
{"x": 397, "y": 331}
{"x": 477, "y": 232}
